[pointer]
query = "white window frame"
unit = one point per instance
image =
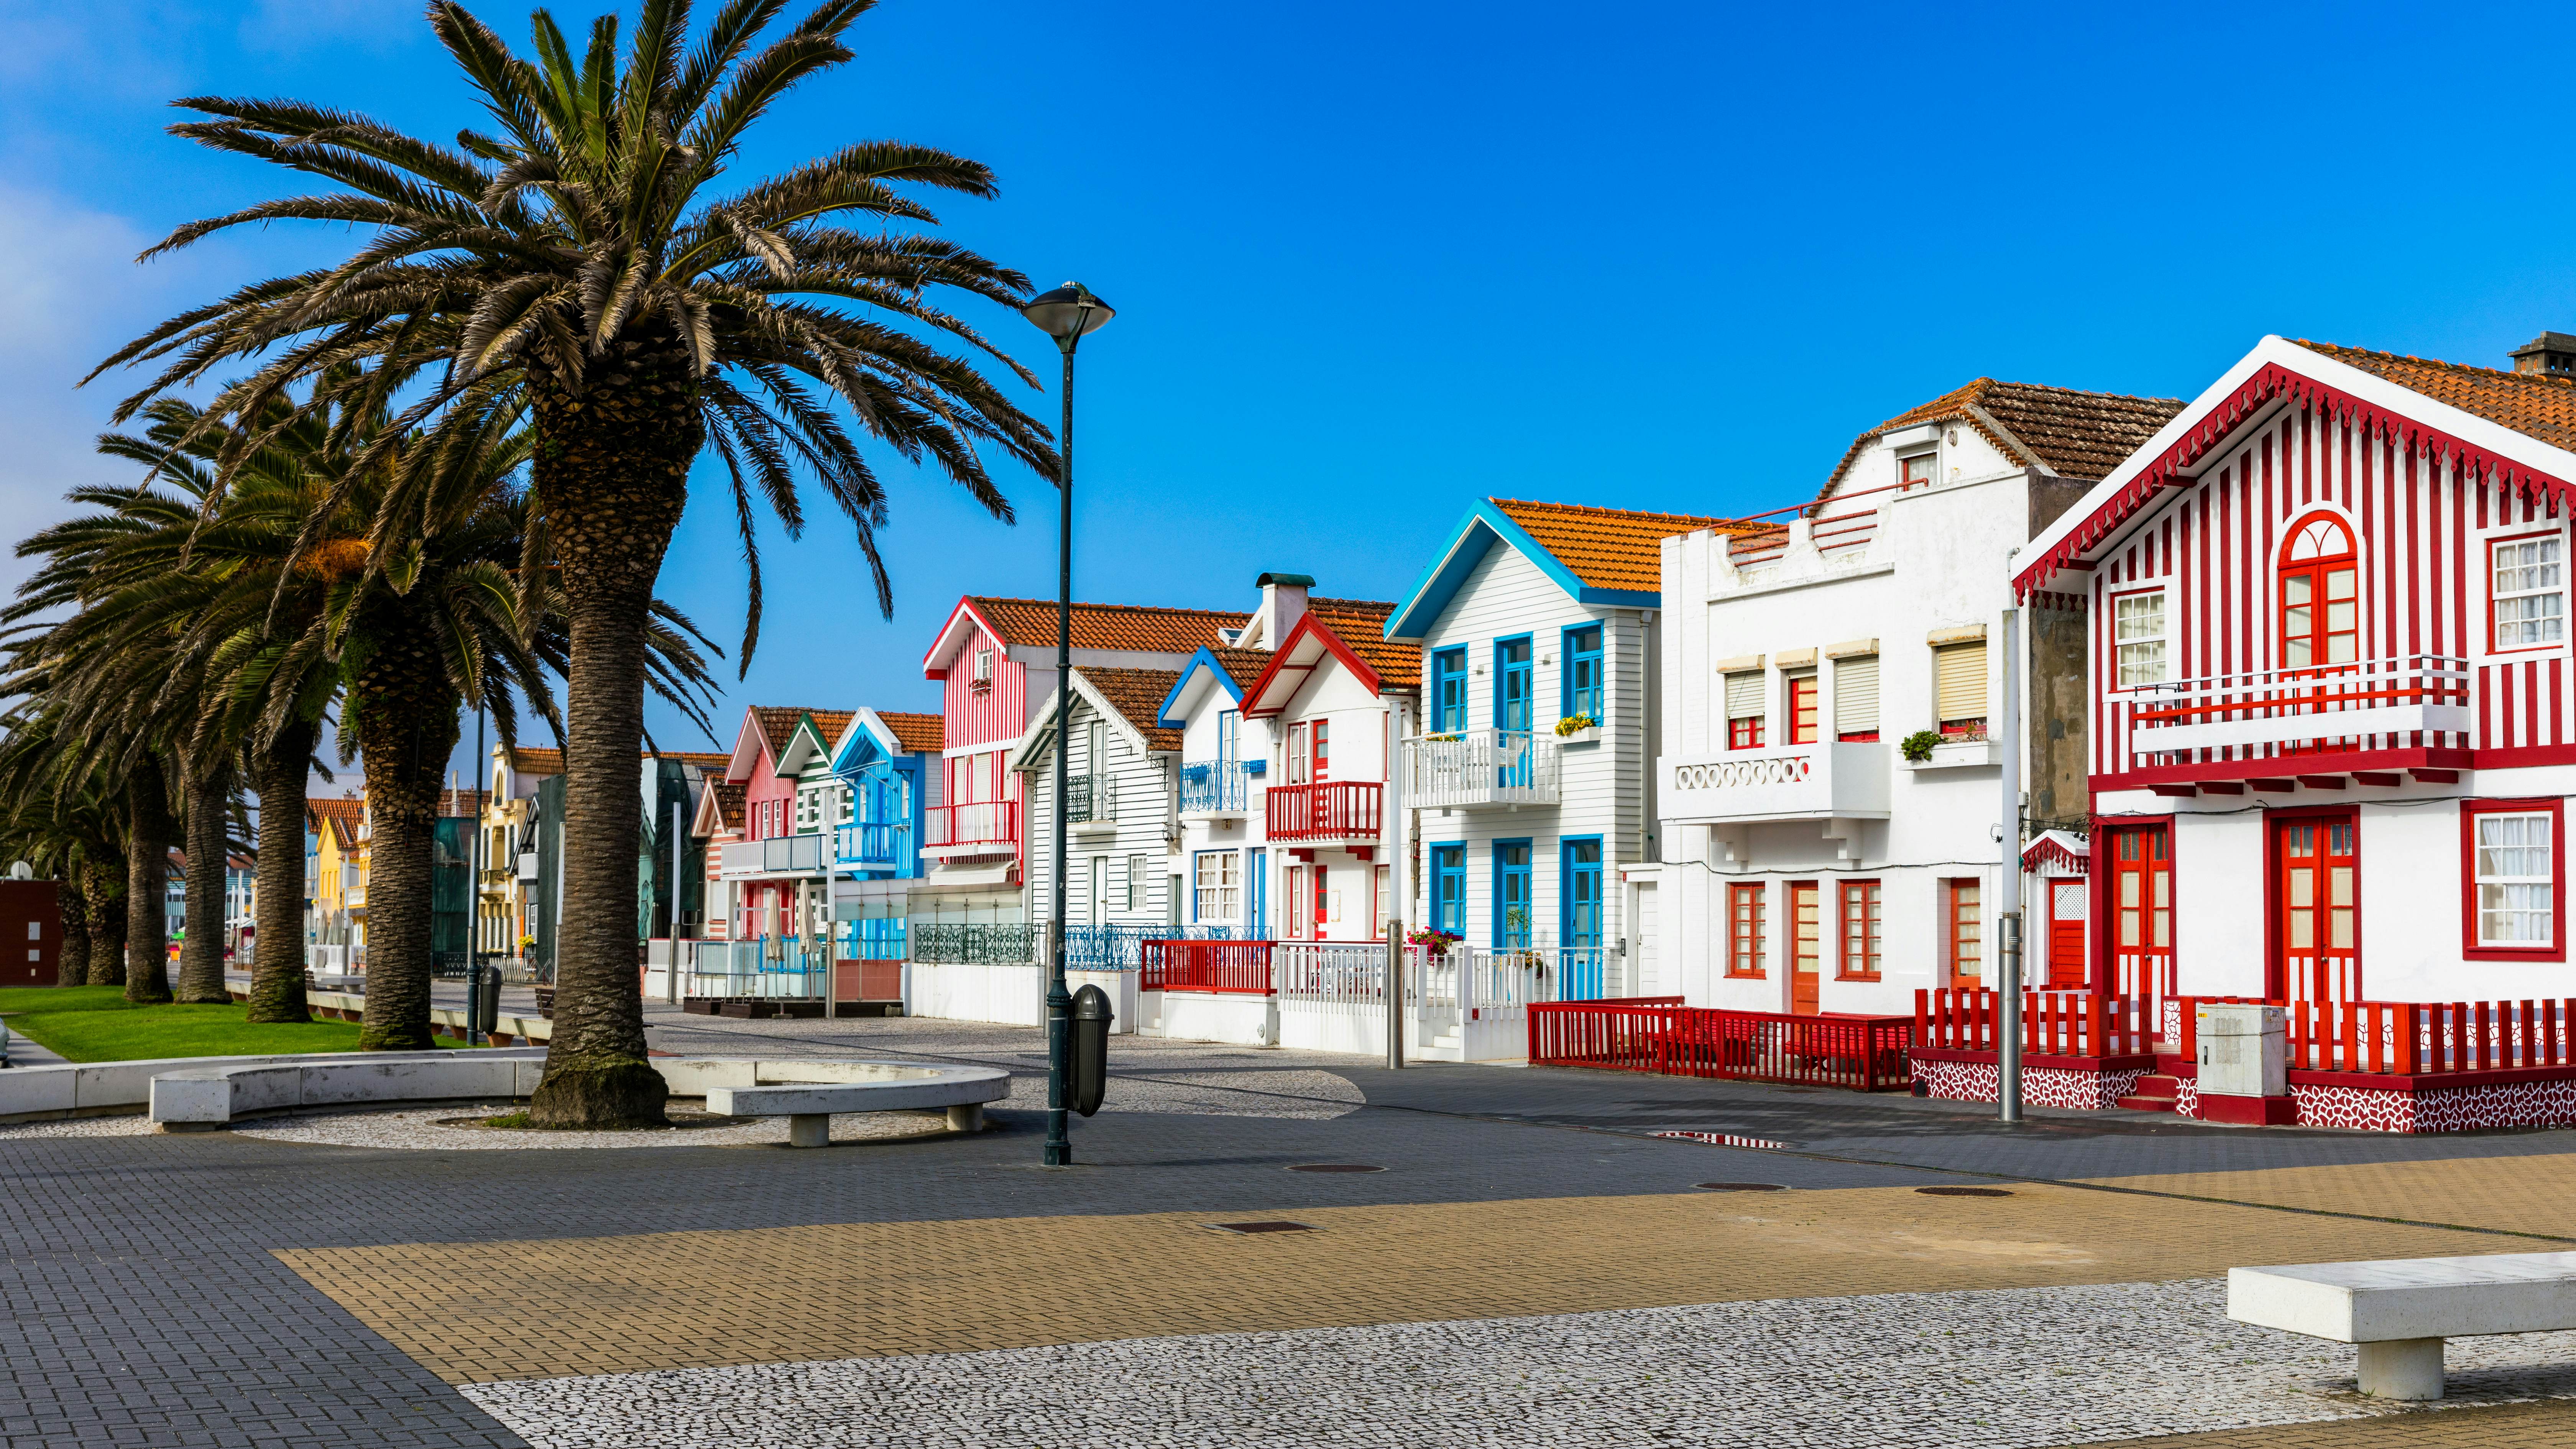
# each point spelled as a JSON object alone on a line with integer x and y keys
{"x": 2496, "y": 597}
{"x": 2545, "y": 884}
{"x": 2162, "y": 639}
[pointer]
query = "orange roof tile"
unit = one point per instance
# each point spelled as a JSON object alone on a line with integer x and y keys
{"x": 778, "y": 722}
{"x": 730, "y": 796}
{"x": 1242, "y": 665}
{"x": 2071, "y": 433}
{"x": 2533, "y": 404}
{"x": 1607, "y": 548}
{"x": 708, "y": 758}
{"x": 1031, "y": 623}
{"x": 318, "y": 808}
{"x": 1361, "y": 626}
{"x": 1138, "y": 695}
{"x": 921, "y": 733}
{"x": 530, "y": 761}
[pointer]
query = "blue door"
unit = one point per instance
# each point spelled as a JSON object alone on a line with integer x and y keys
{"x": 1256, "y": 888}
{"x": 1512, "y": 713}
{"x": 1511, "y": 894}
{"x": 1449, "y": 889}
{"x": 1580, "y": 893}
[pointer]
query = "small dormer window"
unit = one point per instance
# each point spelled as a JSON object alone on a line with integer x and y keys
{"x": 982, "y": 681}
{"x": 1914, "y": 472}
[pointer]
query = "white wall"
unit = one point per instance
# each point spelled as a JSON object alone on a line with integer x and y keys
{"x": 1144, "y": 782}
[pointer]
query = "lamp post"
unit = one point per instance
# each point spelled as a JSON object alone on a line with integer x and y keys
{"x": 1066, "y": 314}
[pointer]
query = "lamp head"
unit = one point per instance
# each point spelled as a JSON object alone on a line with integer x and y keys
{"x": 1068, "y": 313}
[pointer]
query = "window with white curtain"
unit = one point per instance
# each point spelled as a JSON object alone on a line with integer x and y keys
{"x": 2138, "y": 631}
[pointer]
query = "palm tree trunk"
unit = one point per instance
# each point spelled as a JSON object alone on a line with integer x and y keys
{"x": 147, "y": 884}
{"x": 406, "y": 725}
{"x": 102, "y": 897}
{"x": 201, "y": 955}
{"x": 277, "y": 947}
{"x": 71, "y": 967}
{"x": 612, "y": 476}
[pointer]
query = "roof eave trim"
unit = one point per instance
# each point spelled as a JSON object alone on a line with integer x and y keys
{"x": 1432, "y": 592}
{"x": 1164, "y": 713}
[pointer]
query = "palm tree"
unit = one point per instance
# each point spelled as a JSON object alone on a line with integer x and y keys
{"x": 580, "y": 251}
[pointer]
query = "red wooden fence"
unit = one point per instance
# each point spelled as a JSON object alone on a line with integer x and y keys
{"x": 1331, "y": 810}
{"x": 1241, "y": 966}
{"x": 2415, "y": 1038}
{"x": 1658, "y": 1034}
{"x": 2053, "y": 1023}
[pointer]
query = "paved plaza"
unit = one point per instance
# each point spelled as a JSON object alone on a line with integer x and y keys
{"x": 1533, "y": 1265}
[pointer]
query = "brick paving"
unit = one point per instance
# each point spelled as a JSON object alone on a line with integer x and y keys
{"x": 150, "y": 1297}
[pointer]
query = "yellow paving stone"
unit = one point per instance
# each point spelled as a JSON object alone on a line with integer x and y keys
{"x": 473, "y": 1312}
{"x": 2527, "y": 1194}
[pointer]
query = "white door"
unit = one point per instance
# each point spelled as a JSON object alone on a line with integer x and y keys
{"x": 1644, "y": 949}
{"x": 1099, "y": 888}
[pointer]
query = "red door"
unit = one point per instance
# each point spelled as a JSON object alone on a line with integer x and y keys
{"x": 1323, "y": 903}
{"x": 2066, "y": 935}
{"x": 2317, "y": 902}
{"x": 1805, "y": 910}
{"x": 2142, "y": 911}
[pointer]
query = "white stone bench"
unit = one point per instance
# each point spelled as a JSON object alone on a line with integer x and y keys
{"x": 808, "y": 1093}
{"x": 2399, "y": 1310}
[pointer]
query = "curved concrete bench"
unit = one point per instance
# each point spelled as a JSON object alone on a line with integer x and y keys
{"x": 209, "y": 1094}
{"x": 85, "y": 1089}
{"x": 2397, "y": 1311}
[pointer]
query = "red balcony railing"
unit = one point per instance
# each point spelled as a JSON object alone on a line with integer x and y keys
{"x": 1237, "y": 966}
{"x": 995, "y": 823}
{"x": 1334, "y": 810}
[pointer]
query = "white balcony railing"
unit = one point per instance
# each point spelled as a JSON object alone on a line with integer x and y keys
{"x": 779, "y": 855}
{"x": 1787, "y": 782}
{"x": 2386, "y": 699}
{"x": 1480, "y": 767}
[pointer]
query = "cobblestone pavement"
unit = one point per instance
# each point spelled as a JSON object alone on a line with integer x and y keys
{"x": 1524, "y": 1215}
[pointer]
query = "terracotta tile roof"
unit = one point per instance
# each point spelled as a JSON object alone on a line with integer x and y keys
{"x": 1138, "y": 695}
{"x": 922, "y": 733}
{"x": 318, "y": 808}
{"x": 528, "y": 761}
{"x": 2073, "y": 434}
{"x": 2533, "y": 404}
{"x": 344, "y": 831}
{"x": 778, "y": 722}
{"x": 1031, "y": 623}
{"x": 1607, "y": 548}
{"x": 461, "y": 802}
{"x": 1361, "y": 625}
{"x": 1242, "y": 665}
{"x": 710, "y": 759}
{"x": 729, "y": 802}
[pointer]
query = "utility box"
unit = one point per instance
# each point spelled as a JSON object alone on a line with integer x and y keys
{"x": 2243, "y": 1050}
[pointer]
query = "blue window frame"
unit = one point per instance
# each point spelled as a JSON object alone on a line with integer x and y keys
{"x": 1512, "y": 684}
{"x": 1449, "y": 691}
{"x": 1449, "y": 888}
{"x": 1256, "y": 894}
{"x": 1511, "y": 894}
{"x": 1582, "y": 673}
{"x": 1579, "y": 893}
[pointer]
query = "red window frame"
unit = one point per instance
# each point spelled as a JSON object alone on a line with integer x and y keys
{"x": 2524, "y": 537}
{"x": 1320, "y": 761}
{"x": 2470, "y": 810}
{"x": 1804, "y": 926}
{"x": 1745, "y": 733}
{"x": 1803, "y": 700}
{"x": 1958, "y": 944}
{"x": 2317, "y": 573}
{"x": 1858, "y": 937}
{"x": 1744, "y": 930}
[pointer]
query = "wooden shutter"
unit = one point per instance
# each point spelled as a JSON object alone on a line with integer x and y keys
{"x": 1744, "y": 694}
{"x": 1856, "y": 695}
{"x": 1959, "y": 681}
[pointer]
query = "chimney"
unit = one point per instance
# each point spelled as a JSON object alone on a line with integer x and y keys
{"x": 1283, "y": 603}
{"x": 2552, "y": 354}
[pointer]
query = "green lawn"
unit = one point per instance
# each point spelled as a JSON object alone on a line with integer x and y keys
{"x": 97, "y": 1024}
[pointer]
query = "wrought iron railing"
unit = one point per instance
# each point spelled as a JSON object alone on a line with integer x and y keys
{"x": 1211, "y": 787}
{"x": 1120, "y": 948}
{"x": 1090, "y": 797}
{"x": 988, "y": 945}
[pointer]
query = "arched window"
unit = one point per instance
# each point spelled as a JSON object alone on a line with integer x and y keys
{"x": 2320, "y": 595}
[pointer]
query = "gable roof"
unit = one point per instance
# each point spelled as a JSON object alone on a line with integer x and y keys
{"x": 1128, "y": 628}
{"x": 1130, "y": 699}
{"x": 1315, "y": 639}
{"x": 2491, "y": 421}
{"x": 1606, "y": 556}
{"x": 887, "y": 733}
{"x": 923, "y": 734}
{"x": 720, "y": 808}
{"x": 1361, "y": 625}
{"x": 2071, "y": 433}
{"x": 708, "y": 758}
{"x": 1229, "y": 670}
{"x": 318, "y": 808}
{"x": 529, "y": 760}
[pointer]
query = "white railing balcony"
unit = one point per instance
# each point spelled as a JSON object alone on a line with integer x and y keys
{"x": 1786, "y": 782}
{"x": 809, "y": 854}
{"x": 1480, "y": 767}
{"x": 2389, "y": 700}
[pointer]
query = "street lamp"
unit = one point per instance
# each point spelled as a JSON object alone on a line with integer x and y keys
{"x": 1067, "y": 314}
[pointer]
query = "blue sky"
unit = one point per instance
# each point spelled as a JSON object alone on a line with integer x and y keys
{"x": 1374, "y": 261}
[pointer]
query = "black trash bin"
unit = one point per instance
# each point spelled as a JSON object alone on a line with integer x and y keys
{"x": 1091, "y": 1019}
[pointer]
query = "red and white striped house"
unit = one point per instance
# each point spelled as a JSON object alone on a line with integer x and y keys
{"x": 2329, "y": 724}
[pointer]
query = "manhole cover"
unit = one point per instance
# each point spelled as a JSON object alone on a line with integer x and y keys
{"x": 1336, "y": 1167}
{"x": 1742, "y": 1186}
{"x": 1964, "y": 1191}
{"x": 1277, "y": 1227}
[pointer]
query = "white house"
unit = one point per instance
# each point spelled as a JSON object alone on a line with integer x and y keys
{"x": 1828, "y": 788}
{"x": 1224, "y": 856}
{"x": 1531, "y": 777}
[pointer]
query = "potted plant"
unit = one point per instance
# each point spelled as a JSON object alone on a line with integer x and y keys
{"x": 1917, "y": 747}
{"x": 1575, "y": 724}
